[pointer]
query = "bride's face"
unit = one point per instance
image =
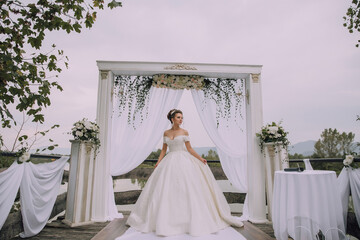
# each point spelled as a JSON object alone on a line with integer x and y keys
{"x": 178, "y": 119}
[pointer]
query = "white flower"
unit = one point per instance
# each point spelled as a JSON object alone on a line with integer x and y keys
{"x": 87, "y": 124}
{"x": 277, "y": 135}
{"x": 273, "y": 129}
{"x": 78, "y": 133}
{"x": 348, "y": 160}
{"x": 24, "y": 157}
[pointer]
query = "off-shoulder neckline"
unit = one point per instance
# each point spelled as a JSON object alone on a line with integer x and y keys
{"x": 176, "y": 136}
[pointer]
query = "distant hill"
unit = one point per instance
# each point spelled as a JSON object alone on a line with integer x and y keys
{"x": 305, "y": 148}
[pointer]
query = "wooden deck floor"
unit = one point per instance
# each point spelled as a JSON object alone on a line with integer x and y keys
{"x": 111, "y": 230}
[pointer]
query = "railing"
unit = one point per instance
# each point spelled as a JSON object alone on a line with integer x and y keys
{"x": 44, "y": 156}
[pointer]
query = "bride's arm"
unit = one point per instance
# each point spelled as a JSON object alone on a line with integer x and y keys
{"x": 162, "y": 154}
{"x": 192, "y": 152}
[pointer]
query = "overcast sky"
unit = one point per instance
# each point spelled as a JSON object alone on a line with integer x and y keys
{"x": 311, "y": 68}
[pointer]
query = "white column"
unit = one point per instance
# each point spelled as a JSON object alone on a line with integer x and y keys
{"x": 102, "y": 163}
{"x": 256, "y": 169}
{"x": 78, "y": 201}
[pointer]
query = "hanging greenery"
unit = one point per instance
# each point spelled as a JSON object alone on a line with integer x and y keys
{"x": 134, "y": 91}
{"x": 223, "y": 91}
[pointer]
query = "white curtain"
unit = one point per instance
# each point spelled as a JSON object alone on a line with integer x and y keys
{"x": 229, "y": 138}
{"x": 129, "y": 145}
{"x": 39, "y": 187}
{"x": 10, "y": 181}
{"x": 349, "y": 180}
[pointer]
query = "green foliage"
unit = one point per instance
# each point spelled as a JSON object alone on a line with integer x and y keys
{"x": 6, "y": 161}
{"x": 224, "y": 93}
{"x": 25, "y": 68}
{"x": 333, "y": 144}
{"x": 154, "y": 154}
{"x": 133, "y": 93}
{"x": 211, "y": 155}
{"x": 296, "y": 156}
{"x": 352, "y": 18}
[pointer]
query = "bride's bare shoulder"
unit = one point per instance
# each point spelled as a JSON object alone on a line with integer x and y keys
{"x": 185, "y": 132}
{"x": 166, "y": 132}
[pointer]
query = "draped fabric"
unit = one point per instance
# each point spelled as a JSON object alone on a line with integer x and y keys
{"x": 349, "y": 181}
{"x": 38, "y": 191}
{"x": 229, "y": 137}
{"x": 131, "y": 145}
{"x": 10, "y": 181}
{"x": 39, "y": 187}
{"x": 343, "y": 182}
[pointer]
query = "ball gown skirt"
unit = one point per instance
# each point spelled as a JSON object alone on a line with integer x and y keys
{"x": 181, "y": 197}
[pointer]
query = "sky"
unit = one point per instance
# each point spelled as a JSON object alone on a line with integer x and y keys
{"x": 311, "y": 67}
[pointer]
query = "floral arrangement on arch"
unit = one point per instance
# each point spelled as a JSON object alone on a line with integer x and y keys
{"x": 349, "y": 161}
{"x": 85, "y": 130}
{"x": 178, "y": 81}
{"x": 273, "y": 133}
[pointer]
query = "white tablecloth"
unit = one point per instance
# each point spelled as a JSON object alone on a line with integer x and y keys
{"x": 304, "y": 202}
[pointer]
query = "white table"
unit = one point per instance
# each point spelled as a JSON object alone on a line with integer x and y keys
{"x": 304, "y": 202}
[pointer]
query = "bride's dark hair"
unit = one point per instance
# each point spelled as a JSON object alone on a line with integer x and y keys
{"x": 172, "y": 114}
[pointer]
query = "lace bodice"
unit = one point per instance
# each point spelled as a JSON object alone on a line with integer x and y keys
{"x": 176, "y": 144}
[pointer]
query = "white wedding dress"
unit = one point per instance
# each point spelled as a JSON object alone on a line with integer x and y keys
{"x": 181, "y": 197}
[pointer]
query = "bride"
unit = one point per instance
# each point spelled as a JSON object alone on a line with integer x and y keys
{"x": 181, "y": 196}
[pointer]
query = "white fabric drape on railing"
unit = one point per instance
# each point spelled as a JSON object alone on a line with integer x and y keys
{"x": 349, "y": 180}
{"x": 10, "y": 181}
{"x": 39, "y": 187}
{"x": 129, "y": 145}
{"x": 229, "y": 138}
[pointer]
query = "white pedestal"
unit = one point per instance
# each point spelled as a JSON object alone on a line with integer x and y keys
{"x": 78, "y": 202}
{"x": 276, "y": 158}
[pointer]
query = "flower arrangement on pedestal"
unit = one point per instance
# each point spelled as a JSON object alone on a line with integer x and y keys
{"x": 273, "y": 133}
{"x": 349, "y": 161}
{"x": 85, "y": 130}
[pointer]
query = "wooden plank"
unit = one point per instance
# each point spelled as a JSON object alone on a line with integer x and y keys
{"x": 251, "y": 232}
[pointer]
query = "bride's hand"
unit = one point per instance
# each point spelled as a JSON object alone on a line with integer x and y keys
{"x": 203, "y": 160}
{"x": 156, "y": 164}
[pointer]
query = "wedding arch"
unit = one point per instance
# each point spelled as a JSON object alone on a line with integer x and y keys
{"x": 102, "y": 196}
